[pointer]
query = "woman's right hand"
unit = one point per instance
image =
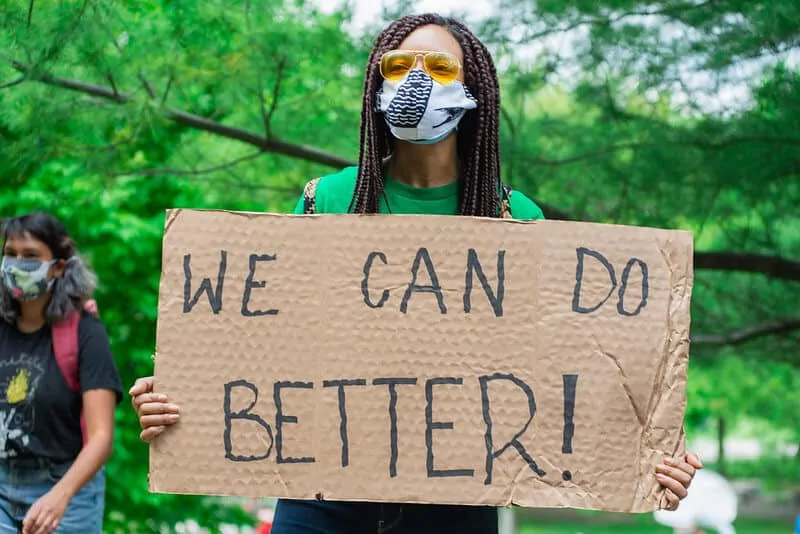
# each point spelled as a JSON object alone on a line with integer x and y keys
{"x": 154, "y": 410}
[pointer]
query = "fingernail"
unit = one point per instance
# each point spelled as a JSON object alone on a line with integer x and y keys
{"x": 669, "y": 461}
{"x": 660, "y": 476}
{"x": 172, "y": 417}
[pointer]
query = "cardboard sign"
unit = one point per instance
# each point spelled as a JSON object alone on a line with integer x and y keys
{"x": 421, "y": 359}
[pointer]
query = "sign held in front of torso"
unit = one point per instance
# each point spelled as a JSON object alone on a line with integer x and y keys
{"x": 421, "y": 358}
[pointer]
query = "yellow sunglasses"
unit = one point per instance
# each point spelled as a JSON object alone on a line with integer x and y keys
{"x": 441, "y": 66}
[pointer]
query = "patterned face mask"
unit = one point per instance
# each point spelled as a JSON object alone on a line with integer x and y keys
{"x": 26, "y": 279}
{"x": 421, "y": 110}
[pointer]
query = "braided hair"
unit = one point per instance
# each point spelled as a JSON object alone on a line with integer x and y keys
{"x": 478, "y": 152}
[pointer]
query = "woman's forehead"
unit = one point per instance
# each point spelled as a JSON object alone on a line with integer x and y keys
{"x": 24, "y": 240}
{"x": 432, "y": 38}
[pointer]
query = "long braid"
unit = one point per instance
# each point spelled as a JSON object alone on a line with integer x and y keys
{"x": 374, "y": 145}
{"x": 482, "y": 179}
{"x": 479, "y": 160}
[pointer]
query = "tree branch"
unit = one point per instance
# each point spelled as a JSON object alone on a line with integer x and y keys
{"x": 12, "y": 83}
{"x": 771, "y": 266}
{"x": 30, "y": 14}
{"x": 671, "y": 12}
{"x": 238, "y": 184}
{"x": 148, "y": 87}
{"x": 168, "y": 87}
{"x": 197, "y": 122}
{"x": 748, "y": 333}
{"x": 188, "y": 172}
{"x": 634, "y": 145}
{"x": 111, "y": 82}
{"x": 266, "y": 114}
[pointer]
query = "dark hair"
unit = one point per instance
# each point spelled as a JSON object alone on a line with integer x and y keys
{"x": 478, "y": 150}
{"x": 76, "y": 285}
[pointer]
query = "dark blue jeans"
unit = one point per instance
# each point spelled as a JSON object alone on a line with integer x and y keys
{"x": 22, "y": 482}
{"x": 318, "y": 517}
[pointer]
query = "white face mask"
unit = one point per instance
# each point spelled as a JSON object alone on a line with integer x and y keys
{"x": 25, "y": 278}
{"x": 420, "y": 110}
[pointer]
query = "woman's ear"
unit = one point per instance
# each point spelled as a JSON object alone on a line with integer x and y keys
{"x": 57, "y": 270}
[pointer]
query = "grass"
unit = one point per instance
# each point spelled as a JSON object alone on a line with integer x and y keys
{"x": 644, "y": 525}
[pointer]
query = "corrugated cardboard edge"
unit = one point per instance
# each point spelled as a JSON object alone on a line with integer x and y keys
{"x": 172, "y": 214}
{"x": 171, "y": 217}
{"x": 673, "y": 372}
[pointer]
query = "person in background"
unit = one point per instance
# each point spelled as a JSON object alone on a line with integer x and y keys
{"x": 429, "y": 145}
{"x": 51, "y": 480}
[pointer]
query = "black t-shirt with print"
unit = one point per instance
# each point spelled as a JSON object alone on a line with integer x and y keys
{"x": 39, "y": 413}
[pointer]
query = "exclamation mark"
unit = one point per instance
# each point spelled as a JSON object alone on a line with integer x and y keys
{"x": 570, "y": 387}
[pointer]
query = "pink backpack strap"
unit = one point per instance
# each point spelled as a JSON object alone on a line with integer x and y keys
{"x": 67, "y": 351}
{"x": 65, "y": 348}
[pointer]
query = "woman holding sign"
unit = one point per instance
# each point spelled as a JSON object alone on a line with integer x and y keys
{"x": 429, "y": 145}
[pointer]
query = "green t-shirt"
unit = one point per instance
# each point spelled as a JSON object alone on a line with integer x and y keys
{"x": 335, "y": 191}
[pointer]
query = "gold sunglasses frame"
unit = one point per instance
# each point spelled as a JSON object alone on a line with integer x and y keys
{"x": 424, "y": 54}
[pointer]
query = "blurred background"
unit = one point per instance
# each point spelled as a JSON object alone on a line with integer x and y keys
{"x": 675, "y": 114}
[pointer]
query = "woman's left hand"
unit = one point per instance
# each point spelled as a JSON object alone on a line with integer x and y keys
{"x": 45, "y": 514}
{"x": 676, "y": 474}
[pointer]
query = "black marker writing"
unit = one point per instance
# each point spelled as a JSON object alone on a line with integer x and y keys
{"x": 341, "y": 384}
{"x": 244, "y": 415}
{"x": 365, "y": 281}
{"x": 249, "y": 284}
{"x": 431, "y": 425}
{"x": 570, "y": 389}
{"x": 414, "y": 287}
{"x": 281, "y": 419}
{"x": 624, "y": 286}
{"x": 214, "y": 296}
{"x": 491, "y": 453}
{"x": 578, "y": 307}
{"x": 393, "y": 383}
{"x": 496, "y": 299}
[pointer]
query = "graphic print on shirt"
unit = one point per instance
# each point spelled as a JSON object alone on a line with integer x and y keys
{"x": 411, "y": 100}
{"x": 20, "y": 378}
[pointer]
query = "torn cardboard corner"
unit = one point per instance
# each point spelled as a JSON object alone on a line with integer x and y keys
{"x": 421, "y": 359}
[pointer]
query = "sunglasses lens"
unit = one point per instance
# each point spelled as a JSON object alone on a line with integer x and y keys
{"x": 395, "y": 65}
{"x": 442, "y": 67}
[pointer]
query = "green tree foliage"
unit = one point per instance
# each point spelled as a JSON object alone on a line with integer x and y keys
{"x": 111, "y": 112}
{"x": 647, "y": 133}
{"x": 108, "y": 149}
